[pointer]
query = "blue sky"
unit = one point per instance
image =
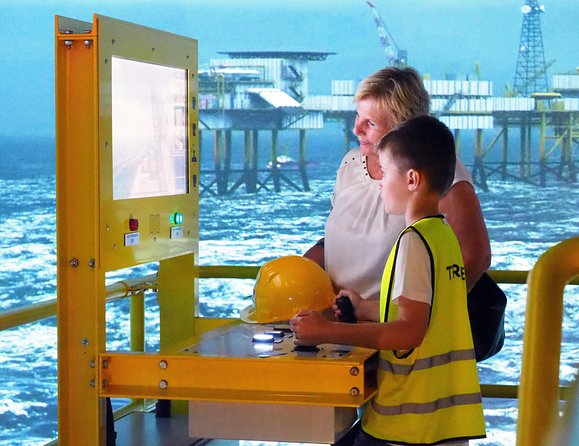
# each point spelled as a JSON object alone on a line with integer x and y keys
{"x": 445, "y": 36}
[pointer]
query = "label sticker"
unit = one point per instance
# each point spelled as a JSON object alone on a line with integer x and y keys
{"x": 132, "y": 238}
{"x": 176, "y": 231}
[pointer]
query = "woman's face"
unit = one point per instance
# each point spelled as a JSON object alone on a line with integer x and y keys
{"x": 371, "y": 124}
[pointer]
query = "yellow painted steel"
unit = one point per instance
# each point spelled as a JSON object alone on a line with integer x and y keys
{"x": 124, "y": 40}
{"x": 138, "y": 322}
{"x": 279, "y": 379}
{"x": 36, "y": 312}
{"x": 91, "y": 225}
{"x": 27, "y": 314}
{"x": 80, "y": 307}
{"x": 177, "y": 315}
{"x": 539, "y": 385}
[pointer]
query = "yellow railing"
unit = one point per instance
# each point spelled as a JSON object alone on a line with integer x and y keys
{"x": 543, "y": 322}
{"x": 539, "y": 392}
{"x": 35, "y": 312}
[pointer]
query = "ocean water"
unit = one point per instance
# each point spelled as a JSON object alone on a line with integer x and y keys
{"x": 523, "y": 221}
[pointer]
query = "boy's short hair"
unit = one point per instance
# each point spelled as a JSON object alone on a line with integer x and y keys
{"x": 425, "y": 144}
{"x": 398, "y": 91}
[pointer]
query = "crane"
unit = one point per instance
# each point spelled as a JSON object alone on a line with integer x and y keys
{"x": 395, "y": 56}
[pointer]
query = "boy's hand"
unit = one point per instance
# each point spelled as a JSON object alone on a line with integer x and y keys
{"x": 309, "y": 327}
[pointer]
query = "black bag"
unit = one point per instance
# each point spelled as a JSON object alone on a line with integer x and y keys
{"x": 486, "y": 311}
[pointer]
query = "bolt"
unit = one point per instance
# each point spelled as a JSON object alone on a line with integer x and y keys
{"x": 163, "y": 364}
{"x": 92, "y": 263}
{"x": 354, "y": 371}
{"x": 163, "y": 384}
{"x": 354, "y": 391}
{"x": 74, "y": 262}
{"x": 87, "y": 43}
{"x": 68, "y": 44}
{"x": 91, "y": 363}
{"x": 84, "y": 341}
{"x": 105, "y": 363}
{"x": 92, "y": 383}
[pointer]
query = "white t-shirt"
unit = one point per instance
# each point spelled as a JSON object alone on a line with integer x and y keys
{"x": 412, "y": 280}
{"x": 359, "y": 234}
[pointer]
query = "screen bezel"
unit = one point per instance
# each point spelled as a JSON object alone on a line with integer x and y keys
{"x": 155, "y": 238}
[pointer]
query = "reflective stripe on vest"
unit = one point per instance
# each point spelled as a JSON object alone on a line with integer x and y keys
{"x": 425, "y": 363}
{"x": 432, "y": 406}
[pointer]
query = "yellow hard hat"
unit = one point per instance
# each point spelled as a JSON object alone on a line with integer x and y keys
{"x": 285, "y": 286}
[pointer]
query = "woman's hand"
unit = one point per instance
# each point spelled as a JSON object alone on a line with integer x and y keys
{"x": 354, "y": 297}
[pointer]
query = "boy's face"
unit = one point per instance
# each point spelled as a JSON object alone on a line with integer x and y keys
{"x": 393, "y": 186}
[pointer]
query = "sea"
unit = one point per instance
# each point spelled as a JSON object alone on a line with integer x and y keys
{"x": 523, "y": 220}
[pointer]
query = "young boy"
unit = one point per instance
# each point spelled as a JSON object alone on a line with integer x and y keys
{"x": 428, "y": 389}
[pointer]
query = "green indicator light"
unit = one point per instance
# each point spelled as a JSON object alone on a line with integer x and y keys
{"x": 176, "y": 218}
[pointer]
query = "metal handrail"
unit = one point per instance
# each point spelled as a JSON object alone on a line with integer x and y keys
{"x": 539, "y": 392}
{"x": 42, "y": 310}
{"x": 45, "y": 309}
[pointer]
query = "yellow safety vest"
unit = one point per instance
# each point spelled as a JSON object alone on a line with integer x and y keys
{"x": 430, "y": 394}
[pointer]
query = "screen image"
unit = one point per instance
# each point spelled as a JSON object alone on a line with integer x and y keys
{"x": 149, "y": 128}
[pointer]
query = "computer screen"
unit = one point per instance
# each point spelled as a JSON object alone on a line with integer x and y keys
{"x": 149, "y": 129}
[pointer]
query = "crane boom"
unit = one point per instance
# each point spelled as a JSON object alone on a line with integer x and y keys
{"x": 395, "y": 56}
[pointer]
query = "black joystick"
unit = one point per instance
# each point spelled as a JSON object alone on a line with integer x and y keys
{"x": 345, "y": 306}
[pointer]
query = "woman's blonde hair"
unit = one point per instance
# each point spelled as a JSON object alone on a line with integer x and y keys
{"x": 399, "y": 91}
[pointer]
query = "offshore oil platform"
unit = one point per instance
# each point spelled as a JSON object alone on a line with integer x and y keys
{"x": 268, "y": 91}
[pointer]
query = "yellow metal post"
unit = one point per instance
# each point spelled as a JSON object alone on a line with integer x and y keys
{"x": 81, "y": 290}
{"x": 539, "y": 388}
{"x": 95, "y": 229}
{"x": 138, "y": 322}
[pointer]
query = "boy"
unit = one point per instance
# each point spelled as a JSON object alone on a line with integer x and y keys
{"x": 428, "y": 389}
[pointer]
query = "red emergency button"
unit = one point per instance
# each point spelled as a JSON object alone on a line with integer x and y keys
{"x": 133, "y": 224}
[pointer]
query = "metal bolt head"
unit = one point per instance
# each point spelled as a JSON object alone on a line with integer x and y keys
{"x": 74, "y": 262}
{"x": 163, "y": 384}
{"x": 354, "y": 371}
{"x": 92, "y": 383}
{"x": 163, "y": 364}
{"x": 84, "y": 341}
{"x": 91, "y": 263}
{"x": 354, "y": 391}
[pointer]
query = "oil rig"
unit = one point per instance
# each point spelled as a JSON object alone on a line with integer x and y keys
{"x": 268, "y": 91}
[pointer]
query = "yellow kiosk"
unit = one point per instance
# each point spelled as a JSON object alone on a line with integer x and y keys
{"x": 127, "y": 194}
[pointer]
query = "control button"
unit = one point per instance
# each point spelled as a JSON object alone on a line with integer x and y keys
{"x": 176, "y": 218}
{"x": 133, "y": 224}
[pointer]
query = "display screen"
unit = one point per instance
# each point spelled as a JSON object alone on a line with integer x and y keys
{"x": 149, "y": 128}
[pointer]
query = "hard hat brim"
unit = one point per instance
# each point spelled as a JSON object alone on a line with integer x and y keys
{"x": 248, "y": 315}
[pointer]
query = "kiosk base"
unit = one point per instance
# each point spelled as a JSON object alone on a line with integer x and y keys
{"x": 269, "y": 422}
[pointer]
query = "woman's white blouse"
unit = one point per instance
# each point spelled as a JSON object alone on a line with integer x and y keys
{"x": 359, "y": 234}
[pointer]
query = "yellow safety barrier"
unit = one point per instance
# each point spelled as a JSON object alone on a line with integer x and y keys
{"x": 539, "y": 385}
